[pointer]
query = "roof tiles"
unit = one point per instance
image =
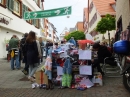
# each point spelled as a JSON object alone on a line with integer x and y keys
{"x": 104, "y": 6}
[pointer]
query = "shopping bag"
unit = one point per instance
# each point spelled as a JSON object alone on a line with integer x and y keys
{"x": 12, "y": 54}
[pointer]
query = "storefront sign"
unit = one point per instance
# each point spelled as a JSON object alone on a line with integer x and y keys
{"x": 4, "y": 21}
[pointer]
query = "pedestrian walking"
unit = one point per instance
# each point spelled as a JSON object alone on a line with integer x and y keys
{"x": 33, "y": 54}
{"x": 47, "y": 47}
{"x": 14, "y": 51}
{"x": 24, "y": 53}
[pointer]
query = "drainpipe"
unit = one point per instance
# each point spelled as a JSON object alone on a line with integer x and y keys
{"x": 88, "y": 15}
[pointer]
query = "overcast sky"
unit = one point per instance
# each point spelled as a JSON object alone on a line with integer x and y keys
{"x": 62, "y": 21}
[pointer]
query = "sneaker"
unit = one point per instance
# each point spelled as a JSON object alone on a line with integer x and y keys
{"x": 33, "y": 86}
{"x": 25, "y": 72}
{"x": 31, "y": 79}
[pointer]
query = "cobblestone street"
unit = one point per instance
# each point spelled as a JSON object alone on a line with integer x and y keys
{"x": 11, "y": 86}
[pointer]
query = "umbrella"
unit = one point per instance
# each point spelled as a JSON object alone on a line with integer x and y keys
{"x": 85, "y": 41}
{"x": 89, "y": 37}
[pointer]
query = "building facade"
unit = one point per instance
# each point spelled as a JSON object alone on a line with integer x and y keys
{"x": 12, "y": 22}
{"x": 79, "y": 26}
{"x": 50, "y": 31}
{"x": 122, "y": 16}
{"x": 72, "y": 29}
{"x": 85, "y": 20}
{"x": 64, "y": 33}
{"x": 96, "y": 10}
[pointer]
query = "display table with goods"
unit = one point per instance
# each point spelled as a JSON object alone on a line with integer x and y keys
{"x": 81, "y": 71}
{"x": 71, "y": 69}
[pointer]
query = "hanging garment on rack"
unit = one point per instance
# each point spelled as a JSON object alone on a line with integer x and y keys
{"x": 66, "y": 80}
{"x": 60, "y": 61}
{"x": 48, "y": 67}
{"x": 67, "y": 68}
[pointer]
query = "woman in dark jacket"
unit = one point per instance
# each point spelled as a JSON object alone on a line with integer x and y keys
{"x": 32, "y": 54}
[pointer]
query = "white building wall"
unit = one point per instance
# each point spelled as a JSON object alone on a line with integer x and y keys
{"x": 50, "y": 31}
{"x": 16, "y": 25}
{"x": 99, "y": 36}
{"x": 95, "y": 23}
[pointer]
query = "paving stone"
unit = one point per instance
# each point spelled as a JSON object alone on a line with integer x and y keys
{"x": 11, "y": 86}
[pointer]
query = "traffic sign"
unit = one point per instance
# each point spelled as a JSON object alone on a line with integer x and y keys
{"x": 47, "y": 13}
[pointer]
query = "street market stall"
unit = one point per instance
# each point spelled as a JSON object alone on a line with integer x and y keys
{"x": 71, "y": 68}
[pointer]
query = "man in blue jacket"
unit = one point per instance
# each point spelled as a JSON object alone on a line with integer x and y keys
{"x": 72, "y": 41}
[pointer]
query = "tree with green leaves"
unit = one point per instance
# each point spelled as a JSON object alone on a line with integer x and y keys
{"x": 107, "y": 23}
{"x": 78, "y": 35}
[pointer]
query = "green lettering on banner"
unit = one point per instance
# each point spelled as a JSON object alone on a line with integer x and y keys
{"x": 47, "y": 13}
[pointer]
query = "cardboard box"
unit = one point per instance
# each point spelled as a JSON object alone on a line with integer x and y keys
{"x": 82, "y": 46}
{"x": 97, "y": 79}
{"x": 41, "y": 77}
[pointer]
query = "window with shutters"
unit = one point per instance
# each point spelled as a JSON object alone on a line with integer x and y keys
{"x": 37, "y": 2}
{"x": 24, "y": 9}
{"x": 11, "y": 5}
{"x": 49, "y": 35}
{"x": 37, "y": 23}
{"x": 90, "y": 7}
{"x": 3, "y": 3}
{"x": 93, "y": 20}
{"x": 16, "y": 7}
{"x": 29, "y": 21}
